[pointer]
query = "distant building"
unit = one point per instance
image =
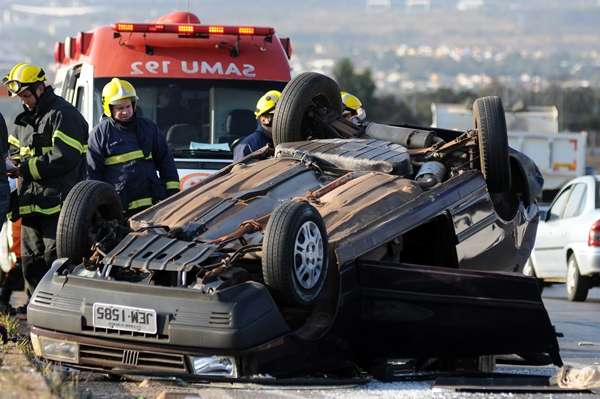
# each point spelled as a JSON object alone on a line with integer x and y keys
{"x": 466, "y": 5}
{"x": 418, "y": 4}
{"x": 379, "y": 4}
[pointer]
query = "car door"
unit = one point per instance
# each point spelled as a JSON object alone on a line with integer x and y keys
{"x": 549, "y": 243}
{"x": 574, "y": 224}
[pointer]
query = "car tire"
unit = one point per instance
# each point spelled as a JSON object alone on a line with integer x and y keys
{"x": 295, "y": 254}
{"x": 577, "y": 285}
{"x": 490, "y": 122}
{"x": 529, "y": 270}
{"x": 88, "y": 203}
{"x": 292, "y": 120}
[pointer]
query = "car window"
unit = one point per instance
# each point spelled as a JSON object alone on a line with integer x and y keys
{"x": 79, "y": 97}
{"x": 576, "y": 201}
{"x": 558, "y": 206}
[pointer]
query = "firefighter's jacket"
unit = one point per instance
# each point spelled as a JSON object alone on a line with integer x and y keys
{"x": 128, "y": 157}
{"x": 50, "y": 143}
{"x": 252, "y": 142}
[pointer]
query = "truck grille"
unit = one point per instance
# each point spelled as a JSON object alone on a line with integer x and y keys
{"x": 95, "y": 355}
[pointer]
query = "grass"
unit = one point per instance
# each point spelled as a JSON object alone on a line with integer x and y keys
{"x": 61, "y": 384}
{"x": 10, "y": 323}
{"x": 64, "y": 385}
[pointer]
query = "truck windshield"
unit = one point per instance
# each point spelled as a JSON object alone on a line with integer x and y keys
{"x": 196, "y": 116}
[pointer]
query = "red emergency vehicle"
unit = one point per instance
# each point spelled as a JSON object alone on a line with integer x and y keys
{"x": 198, "y": 82}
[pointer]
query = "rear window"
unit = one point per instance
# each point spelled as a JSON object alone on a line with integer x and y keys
{"x": 196, "y": 115}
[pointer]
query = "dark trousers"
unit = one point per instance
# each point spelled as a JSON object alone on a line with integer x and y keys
{"x": 38, "y": 248}
{"x": 10, "y": 281}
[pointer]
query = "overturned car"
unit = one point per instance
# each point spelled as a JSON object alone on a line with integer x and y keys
{"x": 346, "y": 245}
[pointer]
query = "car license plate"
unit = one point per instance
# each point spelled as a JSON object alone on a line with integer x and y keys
{"x": 127, "y": 318}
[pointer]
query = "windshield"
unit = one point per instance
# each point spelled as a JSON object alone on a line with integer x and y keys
{"x": 196, "y": 116}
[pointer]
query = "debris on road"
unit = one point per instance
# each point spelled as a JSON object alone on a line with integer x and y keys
{"x": 586, "y": 343}
{"x": 579, "y": 378}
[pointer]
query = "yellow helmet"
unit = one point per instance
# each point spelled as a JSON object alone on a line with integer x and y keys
{"x": 350, "y": 101}
{"x": 267, "y": 102}
{"x": 115, "y": 91}
{"x": 22, "y": 76}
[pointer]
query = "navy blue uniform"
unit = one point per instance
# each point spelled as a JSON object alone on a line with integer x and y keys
{"x": 128, "y": 155}
{"x": 50, "y": 143}
{"x": 252, "y": 142}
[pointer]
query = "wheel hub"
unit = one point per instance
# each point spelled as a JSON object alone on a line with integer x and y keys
{"x": 308, "y": 255}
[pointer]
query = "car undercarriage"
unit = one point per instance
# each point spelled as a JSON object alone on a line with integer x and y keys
{"x": 343, "y": 245}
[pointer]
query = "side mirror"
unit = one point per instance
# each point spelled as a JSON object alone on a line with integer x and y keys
{"x": 543, "y": 214}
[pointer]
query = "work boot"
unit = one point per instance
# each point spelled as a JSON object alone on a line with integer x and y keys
{"x": 21, "y": 312}
{"x": 5, "y": 301}
{"x": 6, "y": 308}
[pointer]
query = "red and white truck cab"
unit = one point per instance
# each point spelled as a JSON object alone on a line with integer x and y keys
{"x": 199, "y": 83}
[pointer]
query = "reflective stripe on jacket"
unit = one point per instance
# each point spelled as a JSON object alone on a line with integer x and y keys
{"x": 51, "y": 144}
{"x": 128, "y": 157}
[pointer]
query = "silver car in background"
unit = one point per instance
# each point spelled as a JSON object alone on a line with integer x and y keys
{"x": 567, "y": 246}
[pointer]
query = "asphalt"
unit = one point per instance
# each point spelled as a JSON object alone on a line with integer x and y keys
{"x": 579, "y": 324}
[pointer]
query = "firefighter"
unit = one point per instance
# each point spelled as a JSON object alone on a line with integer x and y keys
{"x": 353, "y": 110}
{"x": 6, "y": 285}
{"x": 50, "y": 144}
{"x": 262, "y": 135}
{"x": 126, "y": 150}
{"x": 4, "y": 187}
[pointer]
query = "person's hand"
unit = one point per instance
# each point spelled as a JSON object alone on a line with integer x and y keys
{"x": 13, "y": 172}
{"x": 12, "y": 169}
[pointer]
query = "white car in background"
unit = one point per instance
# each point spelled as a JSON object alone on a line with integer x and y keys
{"x": 567, "y": 246}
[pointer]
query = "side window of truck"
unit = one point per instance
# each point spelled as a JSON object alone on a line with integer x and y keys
{"x": 68, "y": 90}
{"x": 79, "y": 99}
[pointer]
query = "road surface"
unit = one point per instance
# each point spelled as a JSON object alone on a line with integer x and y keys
{"x": 580, "y": 346}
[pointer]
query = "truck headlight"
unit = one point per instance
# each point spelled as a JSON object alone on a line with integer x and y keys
{"x": 59, "y": 350}
{"x": 215, "y": 366}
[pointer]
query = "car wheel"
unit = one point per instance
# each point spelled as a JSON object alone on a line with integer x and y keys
{"x": 295, "y": 257}
{"x": 529, "y": 270}
{"x": 489, "y": 120}
{"x": 577, "y": 285}
{"x": 87, "y": 205}
{"x": 293, "y": 120}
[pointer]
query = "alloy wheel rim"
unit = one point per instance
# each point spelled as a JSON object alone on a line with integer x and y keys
{"x": 308, "y": 255}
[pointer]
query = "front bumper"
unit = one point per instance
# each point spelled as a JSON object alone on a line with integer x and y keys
{"x": 234, "y": 319}
{"x": 131, "y": 358}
